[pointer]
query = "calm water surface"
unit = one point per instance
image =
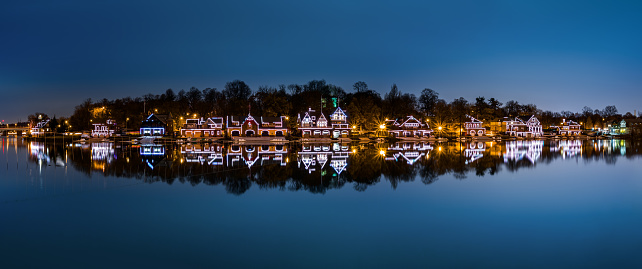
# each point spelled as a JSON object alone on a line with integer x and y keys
{"x": 515, "y": 204}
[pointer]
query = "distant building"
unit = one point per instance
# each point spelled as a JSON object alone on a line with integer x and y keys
{"x": 41, "y": 128}
{"x": 411, "y": 127}
{"x": 155, "y": 125}
{"x": 618, "y": 128}
{"x": 339, "y": 123}
{"x": 251, "y": 127}
{"x": 634, "y": 126}
{"x": 474, "y": 127}
{"x": 210, "y": 127}
{"x": 569, "y": 128}
{"x": 528, "y": 126}
{"x": 106, "y": 129}
{"x": 314, "y": 124}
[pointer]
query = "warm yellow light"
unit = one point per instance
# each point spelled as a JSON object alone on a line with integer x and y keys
{"x": 354, "y": 127}
{"x": 381, "y": 152}
{"x": 127, "y": 118}
{"x": 439, "y": 128}
{"x": 354, "y": 151}
{"x": 439, "y": 148}
{"x": 382, "y": 126}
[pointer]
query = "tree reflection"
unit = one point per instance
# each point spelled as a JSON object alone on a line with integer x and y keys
{"x": 318, "y": 168}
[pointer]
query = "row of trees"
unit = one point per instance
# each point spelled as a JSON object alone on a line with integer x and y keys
{"x": 366, "y": 107}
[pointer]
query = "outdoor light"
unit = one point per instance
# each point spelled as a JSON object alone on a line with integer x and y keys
{"x": 439, "y": 128}
{"x": 381, "y": 152}
{"x": 382, "y": 126}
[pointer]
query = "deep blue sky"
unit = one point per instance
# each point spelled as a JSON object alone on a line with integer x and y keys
{"x": 559, "y": 55}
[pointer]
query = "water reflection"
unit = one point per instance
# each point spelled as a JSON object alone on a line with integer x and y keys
{"x": 519, "y": 150}
{"x": 410, "y": 152}
{"x": 317, "y": 167}
{"x": 313, "y": 157}
{"x": 251, "y": 154}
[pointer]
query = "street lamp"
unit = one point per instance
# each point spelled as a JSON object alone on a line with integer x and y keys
{"x": 382, "y": 127}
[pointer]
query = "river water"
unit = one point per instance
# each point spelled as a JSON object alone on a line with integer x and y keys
{"x": 511, "y": 204}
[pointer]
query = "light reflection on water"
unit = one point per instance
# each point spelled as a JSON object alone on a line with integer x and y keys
{"x": 476, "y": 204}
{"x": 360, "y": 164}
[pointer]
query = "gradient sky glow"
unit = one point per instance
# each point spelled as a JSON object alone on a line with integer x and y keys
{"x": 559, "y": 55}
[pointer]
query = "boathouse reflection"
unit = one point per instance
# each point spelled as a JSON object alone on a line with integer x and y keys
{"x": 318, "y": 167}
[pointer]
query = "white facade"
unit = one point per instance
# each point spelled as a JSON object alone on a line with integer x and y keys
{"x": 104, "y": 129}
{"x": 474, "y": 127}
{"x": 524, "y": 127}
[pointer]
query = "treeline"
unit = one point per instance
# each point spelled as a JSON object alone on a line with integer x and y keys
{"x": 366, "y": 107}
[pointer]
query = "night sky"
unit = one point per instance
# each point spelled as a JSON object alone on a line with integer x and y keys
{"x": 559, "y": 55}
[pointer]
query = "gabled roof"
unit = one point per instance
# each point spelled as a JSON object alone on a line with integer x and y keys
{"x": 215, "y": 120}
{"x": 390, "y": 123}
{"x": 313, "y": 113}
{"x": 42, "y": 124}
{"x": 395, "y": 125}
{"x": 473, "y": 120}
{"x": 163, "y": 118}
{"x": 339, "y": 111}
{"x": 411, "y": 119}
{"x": 526, "y": 119}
